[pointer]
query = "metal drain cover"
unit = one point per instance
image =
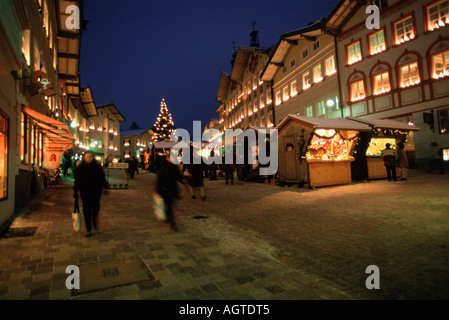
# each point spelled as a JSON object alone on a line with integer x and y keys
{"x": 100, "y": 276}
{"x": 19, "y": 232}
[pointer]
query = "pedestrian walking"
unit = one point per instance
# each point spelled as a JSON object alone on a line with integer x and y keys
{"x": 166, "y": 186}
{"x": 196, "y": 180}
{"x": 228, "y": 169}
{"x": 89, "y": 182}
{"x": 402, "y": 161}
{"x": 390, "y": 156}
{"x": 132, "y": 166}
{"x": 437, "y": 158}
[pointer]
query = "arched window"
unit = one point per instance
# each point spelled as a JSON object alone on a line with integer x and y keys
{"x": 381, "y": 78}
{"x": 408, "y": 70}
{"x": 357, "y": 86}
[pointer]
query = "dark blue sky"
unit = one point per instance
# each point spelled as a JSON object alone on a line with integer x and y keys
{"x": 137, "y": 52}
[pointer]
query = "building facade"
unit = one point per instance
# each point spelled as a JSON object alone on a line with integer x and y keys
{"x": 398, "y": 71}
{"x": 303, "y": 74}
{"x": 245, "y": 99}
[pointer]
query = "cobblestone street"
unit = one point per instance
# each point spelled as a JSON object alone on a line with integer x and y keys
{"x": 245, "y": 241}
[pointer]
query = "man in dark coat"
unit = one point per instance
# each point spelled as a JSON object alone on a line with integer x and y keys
{"x": 89, "y": 181}
{"x": 390, "y": 156}
{"x": 166, "y": 185}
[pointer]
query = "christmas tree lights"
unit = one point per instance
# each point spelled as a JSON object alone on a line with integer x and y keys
{"x": 164, "y": 125}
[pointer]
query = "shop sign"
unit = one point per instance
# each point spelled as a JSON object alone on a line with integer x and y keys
{"x": 119, "y": 165}
{"x": 53, "y": 153}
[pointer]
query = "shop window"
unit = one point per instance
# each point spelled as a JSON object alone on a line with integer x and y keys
{"x": 306, "y": 83}
{"x": 330, "y": 66}
{"x": 309, "y": 111}
{"x": 321, "y": 109}
{"x": 4, "y": 133}
{"x": 409, "y": 75}
{"x": 278, "y": 97}
{"x": 377, "y": 42}
{"x": 404, "y": 30}
{"x": 443, "y": 121}
{"x": 440, "y": 65}
{"x": 357, "y": 90}
{"x": 353, "y": 53}
{"x": 285, "y": 94}
{"x": 23, "y": 137}
{"x": 317, "y": 73}
{"x": 376, "y": 146}
{"x": 330, "y": 145}
{"x": 293, "y": 88}
{"x": 33, "y": 144}
{"x": 438, "y": 15}
{"x": 381, "y": 83}
{"x": 446, "y": 154}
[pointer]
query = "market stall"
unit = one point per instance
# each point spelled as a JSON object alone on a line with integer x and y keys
{"x": 383, "y": 131}
{"x": 317, "y": 151}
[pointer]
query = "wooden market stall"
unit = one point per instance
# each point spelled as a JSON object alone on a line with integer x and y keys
{"x": 317, "y": 151}
{"x": 383, "y": 131}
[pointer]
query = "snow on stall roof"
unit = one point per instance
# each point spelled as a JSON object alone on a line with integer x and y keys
{"x": 327, "y": 123}
{"x": 386, "y": 124}
{"x": 164, "y": 144}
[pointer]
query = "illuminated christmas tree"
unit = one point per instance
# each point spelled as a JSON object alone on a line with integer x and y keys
{"x": 164, "y": 124}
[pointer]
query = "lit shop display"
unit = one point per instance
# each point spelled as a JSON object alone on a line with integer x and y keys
{"x": 317, "y": 151}
{"x": 384, "y": 131}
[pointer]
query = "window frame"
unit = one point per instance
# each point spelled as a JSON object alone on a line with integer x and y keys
{"x": 329, "y": 73}
{"x": 401, "y": 80}
{"x": 320, "y": 78}
{"x": 444, "y": 53}
{"x": 399, "y": 20}
{"x": 373, "y": 81}
{"x": 368, "y": 39}
{"x": 428, "y": 26}
{"x": 439, "y": 121}
{"x": 347, "y": 47}
{"x": 309, "y": 82}
{"x": 351, "y": 91}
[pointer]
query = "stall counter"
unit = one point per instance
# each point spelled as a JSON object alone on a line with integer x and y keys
{"x": 329, "y": 172}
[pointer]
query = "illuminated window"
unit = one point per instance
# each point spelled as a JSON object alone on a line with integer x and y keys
{"x": 321, "y": 109}
{"x": 440, "y": 65}
{"x": 330, "y": 66}
{"x": 26, "y": 46}
{"x": 4, "y": 132}
{"x": 354, "y": 53}
{"x": 381, "y": 83}
{"x": 409, "y": 75}
{"x": 33, "y": 144}
{"x": 377, "y": 43}
{"x": 45, "y": 19}
{"x": 37, "y": 58}
{"x": 306, "y": 82}
{"x": 357, "y": 90}
{"x": 100, "y": 126}
{"x": 404, "y": 30}
{"x": 285, "y": 94}
{"x": 438, "y": 15}
{"x": 443, "y": 121}
{"x": 262, "y": 102}
{"x": 278, "y": 97}
{"x": 269, "y": 99}
{"x": 293, "y": 88}
{"x": 40, "y": 149}
{"x": 317, "y": 74}
{"x": 309, "y": 111}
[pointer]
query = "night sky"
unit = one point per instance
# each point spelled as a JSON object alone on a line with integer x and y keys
{"x": 134, "y": 53}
